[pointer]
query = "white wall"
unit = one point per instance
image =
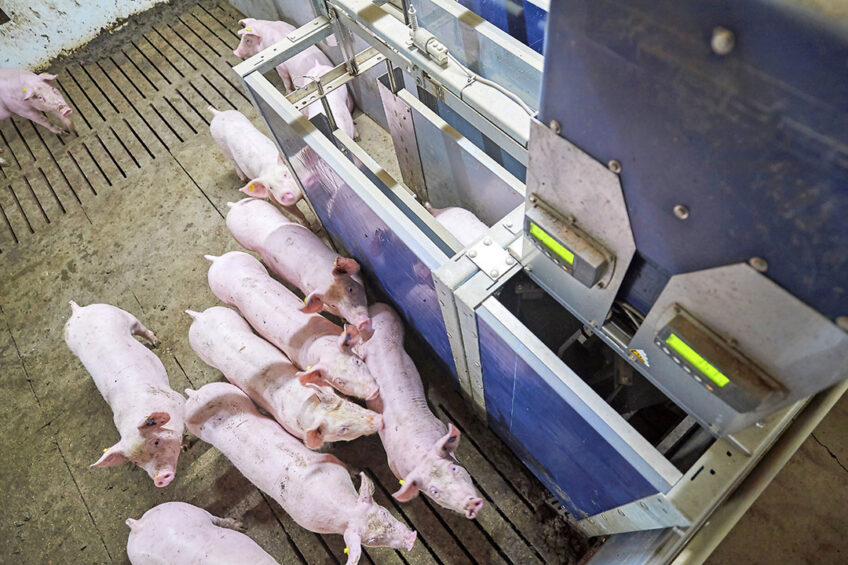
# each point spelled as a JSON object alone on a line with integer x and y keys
{"x": 42, "y": 29}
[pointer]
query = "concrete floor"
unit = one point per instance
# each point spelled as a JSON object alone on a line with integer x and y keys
{"x": 122, "y": 212}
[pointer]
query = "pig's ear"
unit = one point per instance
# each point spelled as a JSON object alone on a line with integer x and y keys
{"x": 348, "y": 338}
{"x": 248, "y": 31}
{"x": 408, "y": 490}
{"x": 312, "y": 375}
{"x": 313, "y": 303}
{"x": 354, "y": 547}
{"x": 28, "y": 93}
{"x": 345, "y": 266}
{"x": 255, "y": 188}
{"x": 366, "y": 489}
{"x": 155, "y": 421}
{"x": 324, "y": 394}
{"x": 48, "y": 77}
{"x": 314, "y": 438}
{"x": 448, "y": 444}
{"x": 112, "y": 456}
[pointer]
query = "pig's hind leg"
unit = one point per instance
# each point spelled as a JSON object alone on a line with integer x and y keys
{"x": 137, "y": 328}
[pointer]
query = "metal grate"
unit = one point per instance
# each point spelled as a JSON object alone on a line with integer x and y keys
{"x": 143, "y": 97}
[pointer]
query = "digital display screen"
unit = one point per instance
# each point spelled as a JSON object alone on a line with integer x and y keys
{"x": 551, "y": 243}
{"x": 696, "y": 360}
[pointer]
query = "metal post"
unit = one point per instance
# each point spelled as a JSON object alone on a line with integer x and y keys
{"x": 325, "y": 103}
{"x": 392, "y": 82}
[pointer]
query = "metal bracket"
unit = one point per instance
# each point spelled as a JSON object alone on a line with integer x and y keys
{"x": 491, "y": 258}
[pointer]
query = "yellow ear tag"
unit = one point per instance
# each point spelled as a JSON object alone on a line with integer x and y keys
{"x": 105, "y": 450}
{"x": 401, "y": 481}
{"x": 309, "y": 368}
{"x": 347, "y": 550}
{"x": 24, "y": 90}
{"x": 250, "y": 187}
{"x": 247, "y": 29}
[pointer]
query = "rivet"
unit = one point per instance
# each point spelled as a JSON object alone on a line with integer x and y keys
{"x": 487, "y": 241}
{"x": 681, "y": 211}
{"x": 472, "y": 254}
{"x": 722, "y": 41}
{"x": 494, "y": 273}
{"x": 508, "y": 224}
{"x": 510, "y": 261}
{"x": 614, "y": 166}
{"x": 556, "y": 127}
{"x": 759, "y": 264}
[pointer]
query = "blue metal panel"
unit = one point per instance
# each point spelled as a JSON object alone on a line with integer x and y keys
{"x": 529, "y": 409}
{"x": 389, "y": 255}
{"x": 754, "y": 143}
{"x": 535, "y": 19}
{"x": 523, "y": 20}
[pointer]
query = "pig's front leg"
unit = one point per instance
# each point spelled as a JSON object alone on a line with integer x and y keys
{"x": 295, "y": 211}
{"x": 228, "y": 523}
{"x": 40, "y": 119}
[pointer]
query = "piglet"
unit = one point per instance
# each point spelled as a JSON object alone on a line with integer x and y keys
{"x": 257, "y": 35}
{"x": 461, "y": 223}
{"x": 311, "y": 341}
{"x": 419, "y": 448}
{"x": 29, "y": 95}
{"x": 313, "y": 413}
{"x": 329, "y": 281}
{"x": 181, "y": 534}
{"x": 133, "y": 381}
{"x": 255, "y": 157}
{"x": 314, "y": 488}
{"x": 341, "y": 104}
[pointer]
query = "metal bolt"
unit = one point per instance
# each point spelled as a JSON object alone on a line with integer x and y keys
{"x": 760, "y": 425}
{"x": 533, "y": 198}
{"x": 759, "y": 264}
{"x": 723, "y": 41}
{"x": 842, "y": 322}
{"x": 487, "y": 241}
{"x": 472, "y": 254}
{"x": 508, "y": 224}
{"x": 614, "y": 166}
{"x": 681, "y": 211}
{"x": 556, "y": 127}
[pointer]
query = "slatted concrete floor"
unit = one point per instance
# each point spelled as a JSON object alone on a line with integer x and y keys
{"x": 122, "y": 212}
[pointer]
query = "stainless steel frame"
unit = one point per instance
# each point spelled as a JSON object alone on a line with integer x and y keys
{"x": 466, "y": 293}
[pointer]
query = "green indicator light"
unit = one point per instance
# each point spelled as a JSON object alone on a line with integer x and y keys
{"x": 696, "y": 360}
{"x": 551, "y": 243}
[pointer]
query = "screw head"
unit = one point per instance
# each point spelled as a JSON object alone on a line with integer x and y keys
{"x": 555, "y": 127}
{"x": 681, "y": 211}
{"x": 723, "y": 41}
{"x": 472, "y": 254}
{"x": 614, "y": 166}
{"x": 494, "y": 273}
{"x": 759, "y": 264}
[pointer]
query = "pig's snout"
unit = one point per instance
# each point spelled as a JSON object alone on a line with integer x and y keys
{"x": 238, "y": 54}
{"x": 66, "y": 111}
{"x": 410, "y": 540}
{"x": 163, "y": 479}
{"x": 472, "y": 507}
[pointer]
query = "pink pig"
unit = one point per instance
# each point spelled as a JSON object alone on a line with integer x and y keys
{"x": 181, "y": 534}
{"x": 255, "y": 157}
{"x": 309, "y": 340}
{"x": 330, "y": 282}
{"x": 461, "y": 223}
{"x": 315, "y": 414}
{"x": 29, "y": 95}
{"x": 313, "y": 488}
{"x": 257, "y": 35}
{"x": 419, "y": 448}
{"x": 341, "y": 104}
{"x": 133, "y": 381}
